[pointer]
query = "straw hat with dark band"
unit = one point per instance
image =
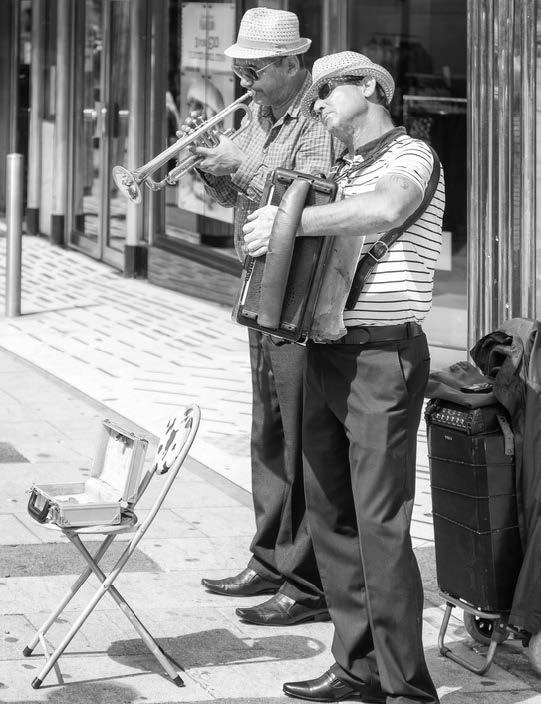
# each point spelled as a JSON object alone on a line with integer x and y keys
{"x": 265, "y": 32}
{"x": 346, "y": 63}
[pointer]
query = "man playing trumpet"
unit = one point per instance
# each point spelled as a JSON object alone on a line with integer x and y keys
{"x": 267, "y": 58}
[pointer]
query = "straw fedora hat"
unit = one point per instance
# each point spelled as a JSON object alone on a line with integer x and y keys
{"x": 266, "y": 32}
{"x": 346, "y": 63}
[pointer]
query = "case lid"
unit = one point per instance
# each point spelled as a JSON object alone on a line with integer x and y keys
{"x": 119, "y": 460}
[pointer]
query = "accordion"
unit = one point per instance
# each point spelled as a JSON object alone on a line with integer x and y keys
{"x": 279, "y": 291}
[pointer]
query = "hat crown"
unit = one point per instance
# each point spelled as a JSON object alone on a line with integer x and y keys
{"x": 264, "y": 31}
{"x": 346, "y": 63}
{"x": 276, "y": 26}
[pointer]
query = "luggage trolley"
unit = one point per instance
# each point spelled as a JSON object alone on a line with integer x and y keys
{"x": 477, "y": 540}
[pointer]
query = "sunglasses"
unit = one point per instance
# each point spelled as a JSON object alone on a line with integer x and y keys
{"x": 251, "y": 73}
{"x": 325, "y": 89}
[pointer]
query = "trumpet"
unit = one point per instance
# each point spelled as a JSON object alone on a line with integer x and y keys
{"x": 128, "y": 182}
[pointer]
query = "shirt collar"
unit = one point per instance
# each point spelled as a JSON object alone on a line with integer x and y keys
{"x": 370, "y": 149}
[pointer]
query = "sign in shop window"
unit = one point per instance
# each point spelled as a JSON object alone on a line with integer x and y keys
{"x": 206, "y": 86}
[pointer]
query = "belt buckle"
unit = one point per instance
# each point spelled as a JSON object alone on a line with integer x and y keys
{"x": 361, "y": 336}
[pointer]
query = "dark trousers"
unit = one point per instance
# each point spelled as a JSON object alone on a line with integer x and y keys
{"x": 282, "y": 548}
{"x": 361, "y": 415}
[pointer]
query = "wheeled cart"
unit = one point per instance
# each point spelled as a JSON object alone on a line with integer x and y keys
{"x": 476, "y": 533}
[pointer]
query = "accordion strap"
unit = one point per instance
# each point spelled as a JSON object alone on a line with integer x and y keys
{"x": 381, "y": 247}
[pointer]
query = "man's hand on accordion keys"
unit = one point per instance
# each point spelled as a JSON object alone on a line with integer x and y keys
{"x": 257, "y": 230}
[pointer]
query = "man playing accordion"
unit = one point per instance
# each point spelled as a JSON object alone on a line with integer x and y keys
{"x": 364, "y": 391}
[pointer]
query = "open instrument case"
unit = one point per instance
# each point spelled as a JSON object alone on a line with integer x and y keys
{"x": 111, "y": 488}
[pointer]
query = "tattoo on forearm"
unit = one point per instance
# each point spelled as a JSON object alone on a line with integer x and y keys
{"x": 404, "y": 183}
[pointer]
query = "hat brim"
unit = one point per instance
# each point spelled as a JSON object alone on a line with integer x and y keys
{"x": 238, "y": 51}
{"x": 382, "y": 77}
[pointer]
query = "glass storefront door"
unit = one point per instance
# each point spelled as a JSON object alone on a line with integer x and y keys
{"x": 101, "y": 128}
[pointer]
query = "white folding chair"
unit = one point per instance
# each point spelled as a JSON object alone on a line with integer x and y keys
{"x": 170, "y": 454}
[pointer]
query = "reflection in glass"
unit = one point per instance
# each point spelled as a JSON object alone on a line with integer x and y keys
{"x": 118, "y": 122}
{"x": 101, "y": 127}
{"x": 87, "y": 142}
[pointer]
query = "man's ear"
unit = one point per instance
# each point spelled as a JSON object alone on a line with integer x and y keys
{"x": 292, "y": 64}
{"x": 369, "y": 87}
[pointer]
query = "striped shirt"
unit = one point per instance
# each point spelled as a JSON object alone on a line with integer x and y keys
{"x": 399, "y": 288}
{"x": 292, "y": 142}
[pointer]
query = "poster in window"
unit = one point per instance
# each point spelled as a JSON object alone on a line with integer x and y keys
{"x": 206, "y": 87}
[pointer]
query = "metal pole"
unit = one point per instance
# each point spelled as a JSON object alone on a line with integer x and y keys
{"x": 14, "y": 221}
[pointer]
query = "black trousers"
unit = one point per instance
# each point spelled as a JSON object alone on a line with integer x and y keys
{"x": 282, "y": 548}
{"x": 361, "y": 415}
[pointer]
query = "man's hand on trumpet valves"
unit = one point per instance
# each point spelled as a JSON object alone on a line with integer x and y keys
{"x": 209, "y": 138}
{"x": 257, "y": 230}
{"x": 220, "y": 155}
{"x": 221, "y": 160}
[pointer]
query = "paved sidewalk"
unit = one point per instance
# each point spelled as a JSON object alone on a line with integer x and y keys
{"x": 48, "y": 432}
{"x": 90, "y": 345}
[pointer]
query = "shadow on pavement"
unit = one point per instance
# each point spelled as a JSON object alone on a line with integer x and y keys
{"x": 89, "y": 693}
{"x": 105, "y": 693}
{"x": 220, "y": 646}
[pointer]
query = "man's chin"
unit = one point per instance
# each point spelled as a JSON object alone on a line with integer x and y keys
{"x": 330, "y": 124}
{"x": 259, "y": 98}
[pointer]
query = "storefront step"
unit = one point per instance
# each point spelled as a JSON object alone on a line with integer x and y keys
{"x": 198, "y": 272}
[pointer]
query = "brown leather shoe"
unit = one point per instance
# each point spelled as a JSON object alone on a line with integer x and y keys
{"x": 247, "y": 583}
{"x": 330, "y": 688}
{"x": 282, "y": 610}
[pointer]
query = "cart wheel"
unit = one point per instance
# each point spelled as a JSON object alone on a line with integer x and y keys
{"x": 481, "y": 629}
{"x": 534, "y": 652}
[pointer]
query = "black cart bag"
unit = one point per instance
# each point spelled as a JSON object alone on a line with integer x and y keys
{"x": 472, "y": 474}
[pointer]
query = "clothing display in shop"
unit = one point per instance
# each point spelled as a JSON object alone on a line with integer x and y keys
{"x": 441, "y": 121}
{"x": 399, "y": 54}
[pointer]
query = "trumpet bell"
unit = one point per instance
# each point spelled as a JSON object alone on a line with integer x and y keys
{"x": 126, "y": 183}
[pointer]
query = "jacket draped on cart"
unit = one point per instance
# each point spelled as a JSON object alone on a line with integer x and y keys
{"x": 511, "y": 357}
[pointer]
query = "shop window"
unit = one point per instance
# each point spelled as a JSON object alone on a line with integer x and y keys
{"x": 423, "y": 44}
{"x": 200, "y": 82}
{"x": 310, "y": 25}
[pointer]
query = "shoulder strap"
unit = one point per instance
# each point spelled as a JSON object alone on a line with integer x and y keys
{"x": 380, "y": 248}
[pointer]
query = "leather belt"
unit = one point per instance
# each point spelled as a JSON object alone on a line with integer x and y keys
{"x": 368, "y": 334}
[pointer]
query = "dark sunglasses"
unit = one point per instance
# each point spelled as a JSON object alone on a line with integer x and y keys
{"x": 251, "y": 73}
{"x": 325, "y": 89}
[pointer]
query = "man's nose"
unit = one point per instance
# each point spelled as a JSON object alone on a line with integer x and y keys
{"x": 318, "y": 106}
{"x": 246, "y": 82}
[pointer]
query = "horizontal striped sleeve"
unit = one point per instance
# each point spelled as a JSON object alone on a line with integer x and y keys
{"x": 414, "y": 162}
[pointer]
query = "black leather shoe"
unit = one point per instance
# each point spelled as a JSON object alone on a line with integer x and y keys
{"x": 247, "y": 583}
{"x": 330, "y": 688}
{"x": 282, "y": 610}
